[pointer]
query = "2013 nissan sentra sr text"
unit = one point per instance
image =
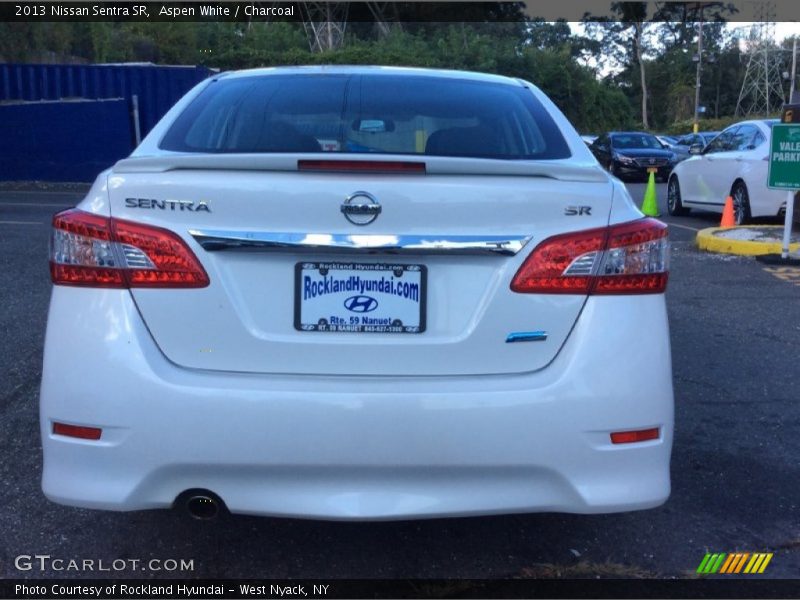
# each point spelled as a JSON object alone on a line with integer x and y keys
{"x": 358, "y": 293}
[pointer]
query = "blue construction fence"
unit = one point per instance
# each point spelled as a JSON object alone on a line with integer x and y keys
{"x": 69, "y": 122}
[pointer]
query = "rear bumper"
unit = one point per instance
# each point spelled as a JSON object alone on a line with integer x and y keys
{"x": 357, "y": 448}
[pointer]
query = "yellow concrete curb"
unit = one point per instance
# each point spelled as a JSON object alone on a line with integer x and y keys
{"x": 706, "y": 240}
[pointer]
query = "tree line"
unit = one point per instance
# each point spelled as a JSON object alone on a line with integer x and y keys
{"x": 607, "y": 74}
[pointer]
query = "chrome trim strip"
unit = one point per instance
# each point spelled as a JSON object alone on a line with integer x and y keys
{"x": 214, "y": 240}
{"x": 526, "y": 336}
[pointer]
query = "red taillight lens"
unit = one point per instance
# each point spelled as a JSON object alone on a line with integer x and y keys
{"x": 631, "y": 437}
{"x": 636, "y": 259}
{"x": 544, "y": 270}
{"x": 84, "y": 433}
{"x": 631, "y": 258}
{"x": 95, "y": 251}
{"x": 82, "y": 252}
{"x": 157, "y": 257}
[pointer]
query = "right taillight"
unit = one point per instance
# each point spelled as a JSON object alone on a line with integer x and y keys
{"x": 629, "y": 258}
{"x": 94, "y": 251}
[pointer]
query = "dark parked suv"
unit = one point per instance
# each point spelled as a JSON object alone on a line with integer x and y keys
{"x": 633, "y": 154}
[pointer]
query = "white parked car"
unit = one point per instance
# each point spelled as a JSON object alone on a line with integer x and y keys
{"x": 733, "y": 164}
{"x": 358, "y": 293}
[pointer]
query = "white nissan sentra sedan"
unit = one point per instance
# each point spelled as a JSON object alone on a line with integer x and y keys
{"x": 358, "y": 293}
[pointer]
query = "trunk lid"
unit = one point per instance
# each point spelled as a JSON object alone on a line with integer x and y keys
{"x": 245, "y": 320}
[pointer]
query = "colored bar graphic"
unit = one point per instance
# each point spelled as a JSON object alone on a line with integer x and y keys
{"x": 757, "y": 564}
{"x": 741, "y": 562}
{"x": 718, "y": 564}
{"x": 734, "y": 563}
{"x": 728, "y": 564}
{"x": 711, "y": 563}
{"x": 749, "y": 567}
{"x": 765, "y": 563}
{"x": 704, "y": 564}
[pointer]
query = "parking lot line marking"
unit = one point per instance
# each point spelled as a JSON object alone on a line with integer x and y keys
{"x": 47, "y": 204}
{"x": 683, "y": 226}
{"x": 787, "y": 274}
{"x": 21, "y": 223}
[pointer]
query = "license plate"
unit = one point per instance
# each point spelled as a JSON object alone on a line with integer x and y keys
{"x": 359, "y": 297}
{"x": 652, "y": 169}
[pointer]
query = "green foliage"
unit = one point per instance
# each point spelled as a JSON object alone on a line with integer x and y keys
{"x": 685, "y": 126}
{"x": 588, "y": 104}
{"x": 671, "y": 87}
{"x": 565, "y": 66}
{"x": 489, "y": 47}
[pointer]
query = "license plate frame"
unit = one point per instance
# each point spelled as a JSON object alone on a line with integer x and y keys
{"x": 354, "y": 319}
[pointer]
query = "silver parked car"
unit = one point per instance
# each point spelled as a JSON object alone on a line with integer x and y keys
{"x": 683, "y": 146}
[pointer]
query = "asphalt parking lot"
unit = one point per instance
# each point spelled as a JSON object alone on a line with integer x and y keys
{"x": 735, "y": 329}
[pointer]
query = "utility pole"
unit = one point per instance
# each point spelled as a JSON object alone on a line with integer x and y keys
{"x": 696, "y": 126}
{"x": 794, "y": 70}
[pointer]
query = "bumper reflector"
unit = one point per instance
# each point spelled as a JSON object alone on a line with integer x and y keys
{"x": 630, "y": 437}
{"x": 84, "y": 433}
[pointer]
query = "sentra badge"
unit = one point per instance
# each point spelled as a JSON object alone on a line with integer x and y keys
{"x": 152, "y": 203}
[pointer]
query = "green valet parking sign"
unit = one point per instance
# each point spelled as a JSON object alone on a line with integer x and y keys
{"x": 784, "y": 158}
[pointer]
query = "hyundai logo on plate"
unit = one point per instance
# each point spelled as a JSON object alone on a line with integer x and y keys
{"x": 361, "y": 304}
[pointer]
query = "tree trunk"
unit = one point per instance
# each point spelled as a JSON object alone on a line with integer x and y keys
{"x": 637, "y": 40}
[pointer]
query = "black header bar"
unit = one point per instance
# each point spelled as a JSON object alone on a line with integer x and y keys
{"x": 420, "y": 11}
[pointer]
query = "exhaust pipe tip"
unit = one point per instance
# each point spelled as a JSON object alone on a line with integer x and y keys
{"x": 203, "y": 508}
{"x": 200, "y": 504}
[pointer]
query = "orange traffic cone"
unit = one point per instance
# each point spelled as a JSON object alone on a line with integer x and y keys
{"x": 728, "y": 220}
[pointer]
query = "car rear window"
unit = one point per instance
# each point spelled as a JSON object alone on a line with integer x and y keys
{"x": 383, "y": 114}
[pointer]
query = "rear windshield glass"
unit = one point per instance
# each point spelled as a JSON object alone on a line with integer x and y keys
{"x": 384, "y": 114}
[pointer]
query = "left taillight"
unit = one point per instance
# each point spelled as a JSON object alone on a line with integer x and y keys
{"x": 94, "y": 251}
